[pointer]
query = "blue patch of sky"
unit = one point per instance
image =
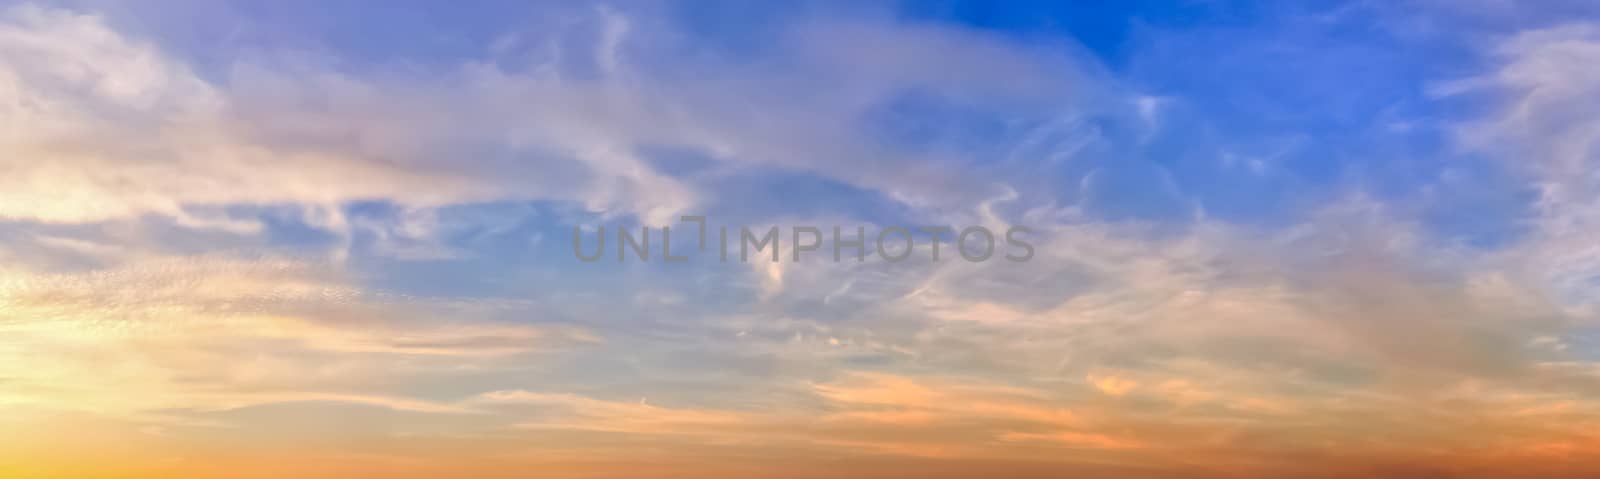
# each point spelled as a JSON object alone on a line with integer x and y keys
{"x": 1266, "y": 108}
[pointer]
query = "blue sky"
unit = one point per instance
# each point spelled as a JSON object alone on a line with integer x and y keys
{"x": 1335, "y": 236}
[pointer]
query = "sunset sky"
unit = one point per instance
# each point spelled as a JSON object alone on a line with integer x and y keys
{"x": 334, "y": 239}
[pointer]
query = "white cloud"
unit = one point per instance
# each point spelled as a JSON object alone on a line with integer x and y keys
{"x": 107, "y": 126}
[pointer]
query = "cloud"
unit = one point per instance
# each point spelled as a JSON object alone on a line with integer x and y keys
{"x": 1545, "y": 128}
{"x": 107, "y": 133}
{"x": 1112, "y": 385}
{"x": 163, "y": 218}
{"x": 210, "y": 333}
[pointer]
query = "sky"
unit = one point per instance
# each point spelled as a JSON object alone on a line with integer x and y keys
{"x": 336, "y": 239}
